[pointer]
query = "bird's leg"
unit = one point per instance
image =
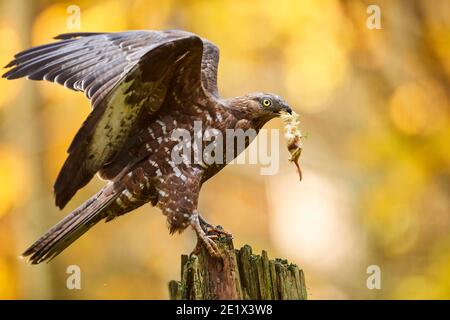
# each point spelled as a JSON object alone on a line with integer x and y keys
{"x": 209, "y": 228}
{"x": 211, "y": 246}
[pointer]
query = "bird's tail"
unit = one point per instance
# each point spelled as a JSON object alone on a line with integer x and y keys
{"x": 71, "y": 227}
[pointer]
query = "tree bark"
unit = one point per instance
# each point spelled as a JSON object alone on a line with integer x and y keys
{"x": 239, "y": 275}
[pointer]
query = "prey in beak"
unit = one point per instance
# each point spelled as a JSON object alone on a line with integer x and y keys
{"x": 293, "y": 135}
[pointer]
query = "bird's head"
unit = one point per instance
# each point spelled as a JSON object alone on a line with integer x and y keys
{"x": 259, "y": 107}
{"x": 268, "y": 104}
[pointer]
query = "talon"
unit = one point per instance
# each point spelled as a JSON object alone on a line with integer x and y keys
{"x": 210, "y": 245}
{"x": 220, "y": 230}
{"x": 210, "y": 229}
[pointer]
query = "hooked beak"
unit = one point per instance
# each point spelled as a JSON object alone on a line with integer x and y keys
{"x": 286, "y": 108}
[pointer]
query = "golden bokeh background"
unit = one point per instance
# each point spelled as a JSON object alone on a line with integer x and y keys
{"x": 375, "y": 105}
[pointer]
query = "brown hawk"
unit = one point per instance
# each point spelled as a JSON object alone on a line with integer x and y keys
{"x": 143, "y": 85}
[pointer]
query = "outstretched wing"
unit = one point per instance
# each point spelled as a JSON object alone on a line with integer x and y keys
{"x": 124, "y": 74}
{"x": 94, "y": 62}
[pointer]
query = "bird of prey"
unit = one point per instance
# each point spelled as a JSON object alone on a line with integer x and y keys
{"x": 142, "y": 86}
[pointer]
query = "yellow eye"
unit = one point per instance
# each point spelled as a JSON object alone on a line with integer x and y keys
{"x": 267, "y": 103}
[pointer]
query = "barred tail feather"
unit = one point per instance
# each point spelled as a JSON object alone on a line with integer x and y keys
{"x": 73, "y": 226}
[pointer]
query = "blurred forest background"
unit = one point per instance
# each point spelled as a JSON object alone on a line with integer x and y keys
{"x": 375, "y": 105}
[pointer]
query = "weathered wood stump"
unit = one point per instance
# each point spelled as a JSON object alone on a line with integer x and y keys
{"x": 240, "y": 275}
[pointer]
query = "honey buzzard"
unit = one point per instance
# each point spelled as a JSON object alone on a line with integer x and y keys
{"x": 143, "y": 85}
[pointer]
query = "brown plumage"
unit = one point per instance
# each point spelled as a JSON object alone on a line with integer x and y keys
{"x": 143, "y": 86}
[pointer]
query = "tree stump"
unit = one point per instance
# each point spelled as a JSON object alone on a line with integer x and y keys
{"x": 239, "y": 275}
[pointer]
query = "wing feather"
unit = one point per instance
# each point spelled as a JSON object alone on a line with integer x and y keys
{"x": 82, "y": 55}
{"x": 210, "y": 63}
{"x": 142, "y": 89}
{"x": 122, "y": 74}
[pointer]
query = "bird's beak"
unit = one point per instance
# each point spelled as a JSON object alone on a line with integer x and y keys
{"x": 288, "y": 109}
{"x": 284, "y": 109}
